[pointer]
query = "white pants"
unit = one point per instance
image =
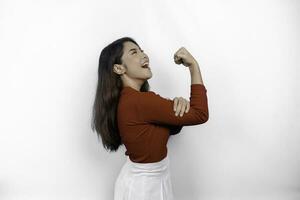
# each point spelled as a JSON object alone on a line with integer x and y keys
{"x": 144, "y": 181}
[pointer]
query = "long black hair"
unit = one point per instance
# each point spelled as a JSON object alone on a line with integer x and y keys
{"x": 104, "y": 117}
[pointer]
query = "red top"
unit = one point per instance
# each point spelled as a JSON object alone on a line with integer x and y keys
{"x": 145, "y": 121}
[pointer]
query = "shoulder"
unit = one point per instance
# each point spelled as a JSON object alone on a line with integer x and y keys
{"x": 152, "y": 98}
{"x": 150, "y": 95}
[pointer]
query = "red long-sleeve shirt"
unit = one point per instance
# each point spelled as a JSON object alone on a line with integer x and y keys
{"x": 146, "y": 120}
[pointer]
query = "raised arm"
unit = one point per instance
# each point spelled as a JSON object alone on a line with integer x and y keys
{"x": 153, "y": 108}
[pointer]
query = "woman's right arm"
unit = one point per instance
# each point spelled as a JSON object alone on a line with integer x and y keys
{"x": 152, "y": 108}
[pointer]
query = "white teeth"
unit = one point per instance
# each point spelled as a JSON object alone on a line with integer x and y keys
{"x": 145, "y": 65}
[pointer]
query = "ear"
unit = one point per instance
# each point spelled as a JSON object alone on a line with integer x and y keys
{"x": 117, "y": 68}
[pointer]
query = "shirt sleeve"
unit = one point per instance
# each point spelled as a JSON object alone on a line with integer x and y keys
{"x": 153, "y": 108}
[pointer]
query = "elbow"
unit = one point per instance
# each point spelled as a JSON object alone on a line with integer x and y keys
{"x": 207, "y": 117}
{"x": 203, "y": 117}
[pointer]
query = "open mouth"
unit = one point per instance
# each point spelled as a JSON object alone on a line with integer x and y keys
{"x": 146, "y": 65}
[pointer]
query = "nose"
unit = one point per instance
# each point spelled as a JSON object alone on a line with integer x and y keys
{"x": 145, "y": 57}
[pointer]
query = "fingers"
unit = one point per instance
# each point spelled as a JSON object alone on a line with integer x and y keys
{"x": 175, "y": 103}
{"x": 182, "y": 109}
{"x": 187, "y": 106}
{"x": 182, "y": 56}
{"x": 179, "y": 57}
{"x": 181, "y": 106}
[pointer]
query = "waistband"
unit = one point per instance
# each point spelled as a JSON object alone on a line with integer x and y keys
{"x": 159, "y": 168}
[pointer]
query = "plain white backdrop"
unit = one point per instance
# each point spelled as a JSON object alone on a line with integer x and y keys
{"x": 248, "y": 52}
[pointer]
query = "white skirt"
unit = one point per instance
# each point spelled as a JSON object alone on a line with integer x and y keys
{"x": 144, "y": 181}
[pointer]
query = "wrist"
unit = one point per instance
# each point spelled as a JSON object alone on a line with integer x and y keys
{"x": 194, "y": 63}
{"x": 194, "y": 66}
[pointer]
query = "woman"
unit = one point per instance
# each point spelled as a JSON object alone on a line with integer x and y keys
{"x": 126, "y": 112}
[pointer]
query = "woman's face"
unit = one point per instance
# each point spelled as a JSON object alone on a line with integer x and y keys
{"x": 132, "y": 68}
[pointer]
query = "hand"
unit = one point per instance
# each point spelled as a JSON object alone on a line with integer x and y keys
{"x": 182, "y": 56}
{"x": 180, "y": 106}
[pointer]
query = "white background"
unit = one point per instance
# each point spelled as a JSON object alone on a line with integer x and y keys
{"x": 248, "y": 53}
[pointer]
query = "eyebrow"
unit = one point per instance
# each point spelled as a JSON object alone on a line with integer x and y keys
{"x": 133, "y": 49}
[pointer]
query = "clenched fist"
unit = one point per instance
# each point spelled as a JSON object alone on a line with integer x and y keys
{"x": 182, "y": 56}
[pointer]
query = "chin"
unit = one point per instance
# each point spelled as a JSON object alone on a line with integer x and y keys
{"x": 149, "y": 76}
